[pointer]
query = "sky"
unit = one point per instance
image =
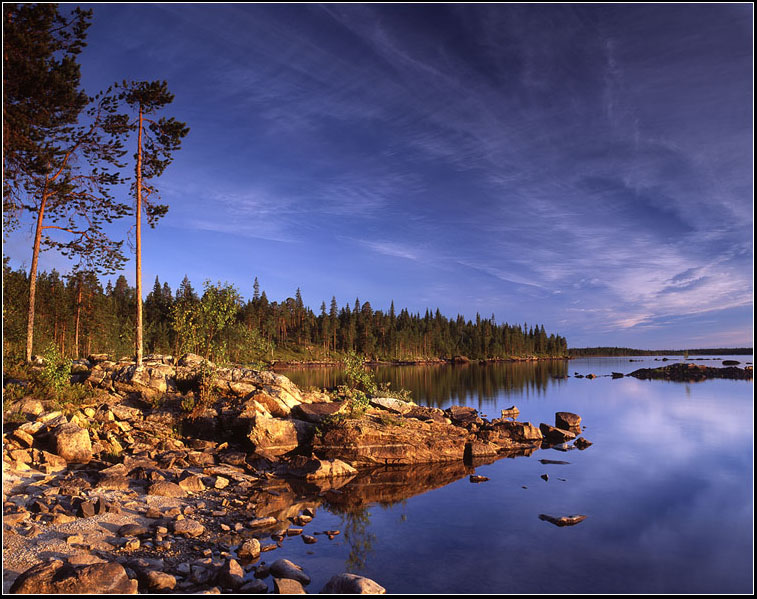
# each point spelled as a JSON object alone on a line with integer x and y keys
{"x": 585, "y": 167}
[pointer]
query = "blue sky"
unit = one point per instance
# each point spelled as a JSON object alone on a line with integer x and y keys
{"x": 586, "y": 167}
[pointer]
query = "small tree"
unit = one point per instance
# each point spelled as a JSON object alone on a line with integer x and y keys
{"x": 209, "y": 325}
{"x": 156, "y": 142}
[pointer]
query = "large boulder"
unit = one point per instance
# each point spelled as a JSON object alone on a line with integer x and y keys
{"x": 55, "y": 577}
{"x": 72, "y": 443}
{"x": 150, "y": 380}
{"x": 352, "y": 584}
{"x": 366, "y": 442}
{"x": 277, "y": 436}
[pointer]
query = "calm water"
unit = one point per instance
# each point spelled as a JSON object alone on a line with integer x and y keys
{"x": 667, "y": 488}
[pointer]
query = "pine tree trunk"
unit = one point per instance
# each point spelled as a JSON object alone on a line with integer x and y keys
{"x": 33, "y": 278}
{"x": 139, "y": 244}
{"x": 78, "y": 313}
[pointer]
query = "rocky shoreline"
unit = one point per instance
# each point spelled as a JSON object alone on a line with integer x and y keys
{"x": 156, "y": 486}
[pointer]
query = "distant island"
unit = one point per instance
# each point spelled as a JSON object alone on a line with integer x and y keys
{"x": 586, "y": 352}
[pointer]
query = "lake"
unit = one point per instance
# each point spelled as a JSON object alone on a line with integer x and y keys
{"x": 667, "y": 488}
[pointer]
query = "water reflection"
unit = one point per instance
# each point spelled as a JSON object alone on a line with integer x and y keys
{"x": 443, "y": 384}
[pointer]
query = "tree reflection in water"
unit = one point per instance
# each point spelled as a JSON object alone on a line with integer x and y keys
{"x": 355, "y": 528}
{"x": 442, "y": 384}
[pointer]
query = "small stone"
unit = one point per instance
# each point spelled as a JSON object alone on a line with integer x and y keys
{"x": 160, "y": 581}
{"x": 166, "y": 489}
{"x": 74, "y": 540}
{"x": 261, "y": 522}
{"x": 192, "y": 484}
{"x": 131, "y": 544}
{"x": 478, "y": 479}
{"x": 63, "y": 519}
{"x": 293, "y": 532}
{"x": 545, "y": 476}
{"x": 563, "y": 520}
{"x": 221, "y": 482}
{"x": 309, "y": 540}
{"x": 132, "y": 530}
{"x": 188, "y": 528}
{"x": 250, "y": 549}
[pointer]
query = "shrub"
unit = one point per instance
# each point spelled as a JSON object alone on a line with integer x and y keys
{"x": 55, "y": 375}
{"x": 357, "y": 376}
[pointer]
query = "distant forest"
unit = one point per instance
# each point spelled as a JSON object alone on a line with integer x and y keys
{"x": 80, "y": 317}
{"x": 583, "y": 352}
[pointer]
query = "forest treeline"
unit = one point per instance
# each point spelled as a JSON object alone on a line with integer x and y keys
{"x": 80, "y": 317}
{"x": 585, "y": 352}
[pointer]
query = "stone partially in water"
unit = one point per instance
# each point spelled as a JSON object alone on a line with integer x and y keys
{"x": 352, "y": 584}
{"x": 568, "y": 421}
{"x": 556, "y": 435}
{"x": 563, "y": 520}
{"x": 283, "y": 568}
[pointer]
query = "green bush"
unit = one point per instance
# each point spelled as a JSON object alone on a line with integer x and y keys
{"x": 55, "y": 375}
{"x": 356, "y": 374}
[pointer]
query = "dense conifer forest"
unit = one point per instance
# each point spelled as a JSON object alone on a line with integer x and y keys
{"x": 584, "y": 352}
{"x": 80, "y": 316}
